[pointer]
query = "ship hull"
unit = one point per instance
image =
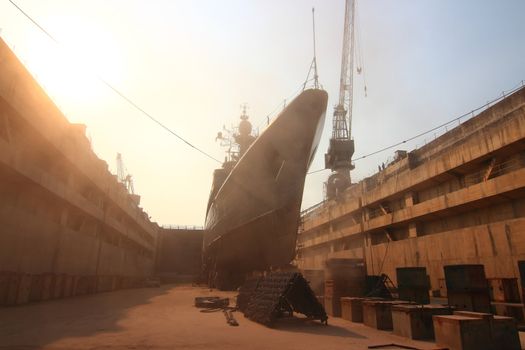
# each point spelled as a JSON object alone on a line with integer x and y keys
{"x": 252, "y": 220}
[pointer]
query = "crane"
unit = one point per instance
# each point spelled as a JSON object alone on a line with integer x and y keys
{"x": 341, "y": 147}
{"x": 123, "y": 176}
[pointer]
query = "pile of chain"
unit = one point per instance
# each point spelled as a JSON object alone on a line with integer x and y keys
{"x": 270, "y": 297}
{"x": 246, "y": 292}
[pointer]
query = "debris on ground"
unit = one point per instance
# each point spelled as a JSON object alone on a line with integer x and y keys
{"x": 398, "y": 346}
{"x": 228, "y": 313}
{"x": 213, "y": 304}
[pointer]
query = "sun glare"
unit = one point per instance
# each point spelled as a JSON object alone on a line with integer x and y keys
{"x": 71, "y": 69}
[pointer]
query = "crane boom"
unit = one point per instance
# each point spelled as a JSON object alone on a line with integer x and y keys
{"x": 122, "y": 175}
{"x": 120, "y": 168}
{"x": 346, "y": 83}
{"x": 341, "y": 148}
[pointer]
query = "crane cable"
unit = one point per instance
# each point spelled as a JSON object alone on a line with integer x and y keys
{"x": 119, "y": 93}
{"x": 359, "y": 50}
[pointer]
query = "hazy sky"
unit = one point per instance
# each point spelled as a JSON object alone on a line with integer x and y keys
{"x": 192, "y": 64}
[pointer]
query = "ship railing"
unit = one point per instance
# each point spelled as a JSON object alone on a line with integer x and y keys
{"x": 313, "y": 208}
{"x": 182, "y": 227}
{"x": 498, "y": 170}
{"x": 444, "y": 144}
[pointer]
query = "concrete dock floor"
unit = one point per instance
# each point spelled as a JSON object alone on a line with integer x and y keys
{"x": 165, "y": 318}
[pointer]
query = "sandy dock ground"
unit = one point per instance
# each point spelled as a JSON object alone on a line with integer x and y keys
{"x": 165, "y": 318}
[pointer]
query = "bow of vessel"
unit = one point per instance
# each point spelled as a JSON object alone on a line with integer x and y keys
{"x": 254, "y": 206}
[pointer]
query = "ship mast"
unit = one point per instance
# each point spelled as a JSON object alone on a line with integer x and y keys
{"x": 341, "y": 147}
{"x": 314, "y": 62}
{"x": 237, "y": 140}
{"x": 313, "y": 65}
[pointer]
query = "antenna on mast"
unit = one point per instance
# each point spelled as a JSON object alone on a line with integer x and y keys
{"x": 313, "y": 65}
{"x": 316, "y": 77}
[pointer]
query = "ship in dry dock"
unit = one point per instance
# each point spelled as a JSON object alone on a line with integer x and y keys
{"x": 254, "y": 206}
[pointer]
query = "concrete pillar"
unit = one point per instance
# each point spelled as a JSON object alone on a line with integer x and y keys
{"x": 367, "y": 253}
{"x": 365, "y": 215}
{"x": 412, "y": 230}
{"x": 64, "y": 213}
{"x": 99, "y": 234}
{"x": 410, "y": 199}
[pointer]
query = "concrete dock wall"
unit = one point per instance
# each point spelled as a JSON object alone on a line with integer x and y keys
{"x": 179, "y": 255}
{"x": 459, "y": 199}
{"x": 498, "y": 246}
{"x": 67, "y": 226}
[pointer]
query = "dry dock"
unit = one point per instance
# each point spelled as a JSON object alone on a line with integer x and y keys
{"x": 165, "y": 318}
{"x": 459, "y": 199}
{"x": 67, "y": 226}
{"x": 76, "y": 248}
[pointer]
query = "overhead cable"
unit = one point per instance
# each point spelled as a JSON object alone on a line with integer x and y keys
{"x": 118, "y": 92}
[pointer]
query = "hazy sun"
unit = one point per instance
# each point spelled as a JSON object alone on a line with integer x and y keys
{"x": 71, "y": 69}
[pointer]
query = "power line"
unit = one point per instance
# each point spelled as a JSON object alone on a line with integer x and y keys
{"x": 504, "y": 94}
{"x": 118, "y": 92}
{"x": 316, "y": 171}
{"x": 137, "y": 107}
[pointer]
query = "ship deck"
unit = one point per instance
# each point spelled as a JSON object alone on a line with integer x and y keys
{"x": 165, "y": 318}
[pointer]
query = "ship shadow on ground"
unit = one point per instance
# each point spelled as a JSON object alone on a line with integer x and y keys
{"x": 74, "y": 317}
{"x": 305, "y": 325}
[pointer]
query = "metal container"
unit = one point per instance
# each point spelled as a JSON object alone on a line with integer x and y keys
{"x": 412, "y": 278}
{"x": 465, "y": 278}
{"x": 416, "y": 295}
{"x": 378, "y": 313}
{"x": 462, "y": 333}
{"x": 415, "y": 321}
{"x": 352, "y": 309}
{"x": 478, "y": 302}
{"x": 332, "y": 306}
{"x": 504, "y": 290}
